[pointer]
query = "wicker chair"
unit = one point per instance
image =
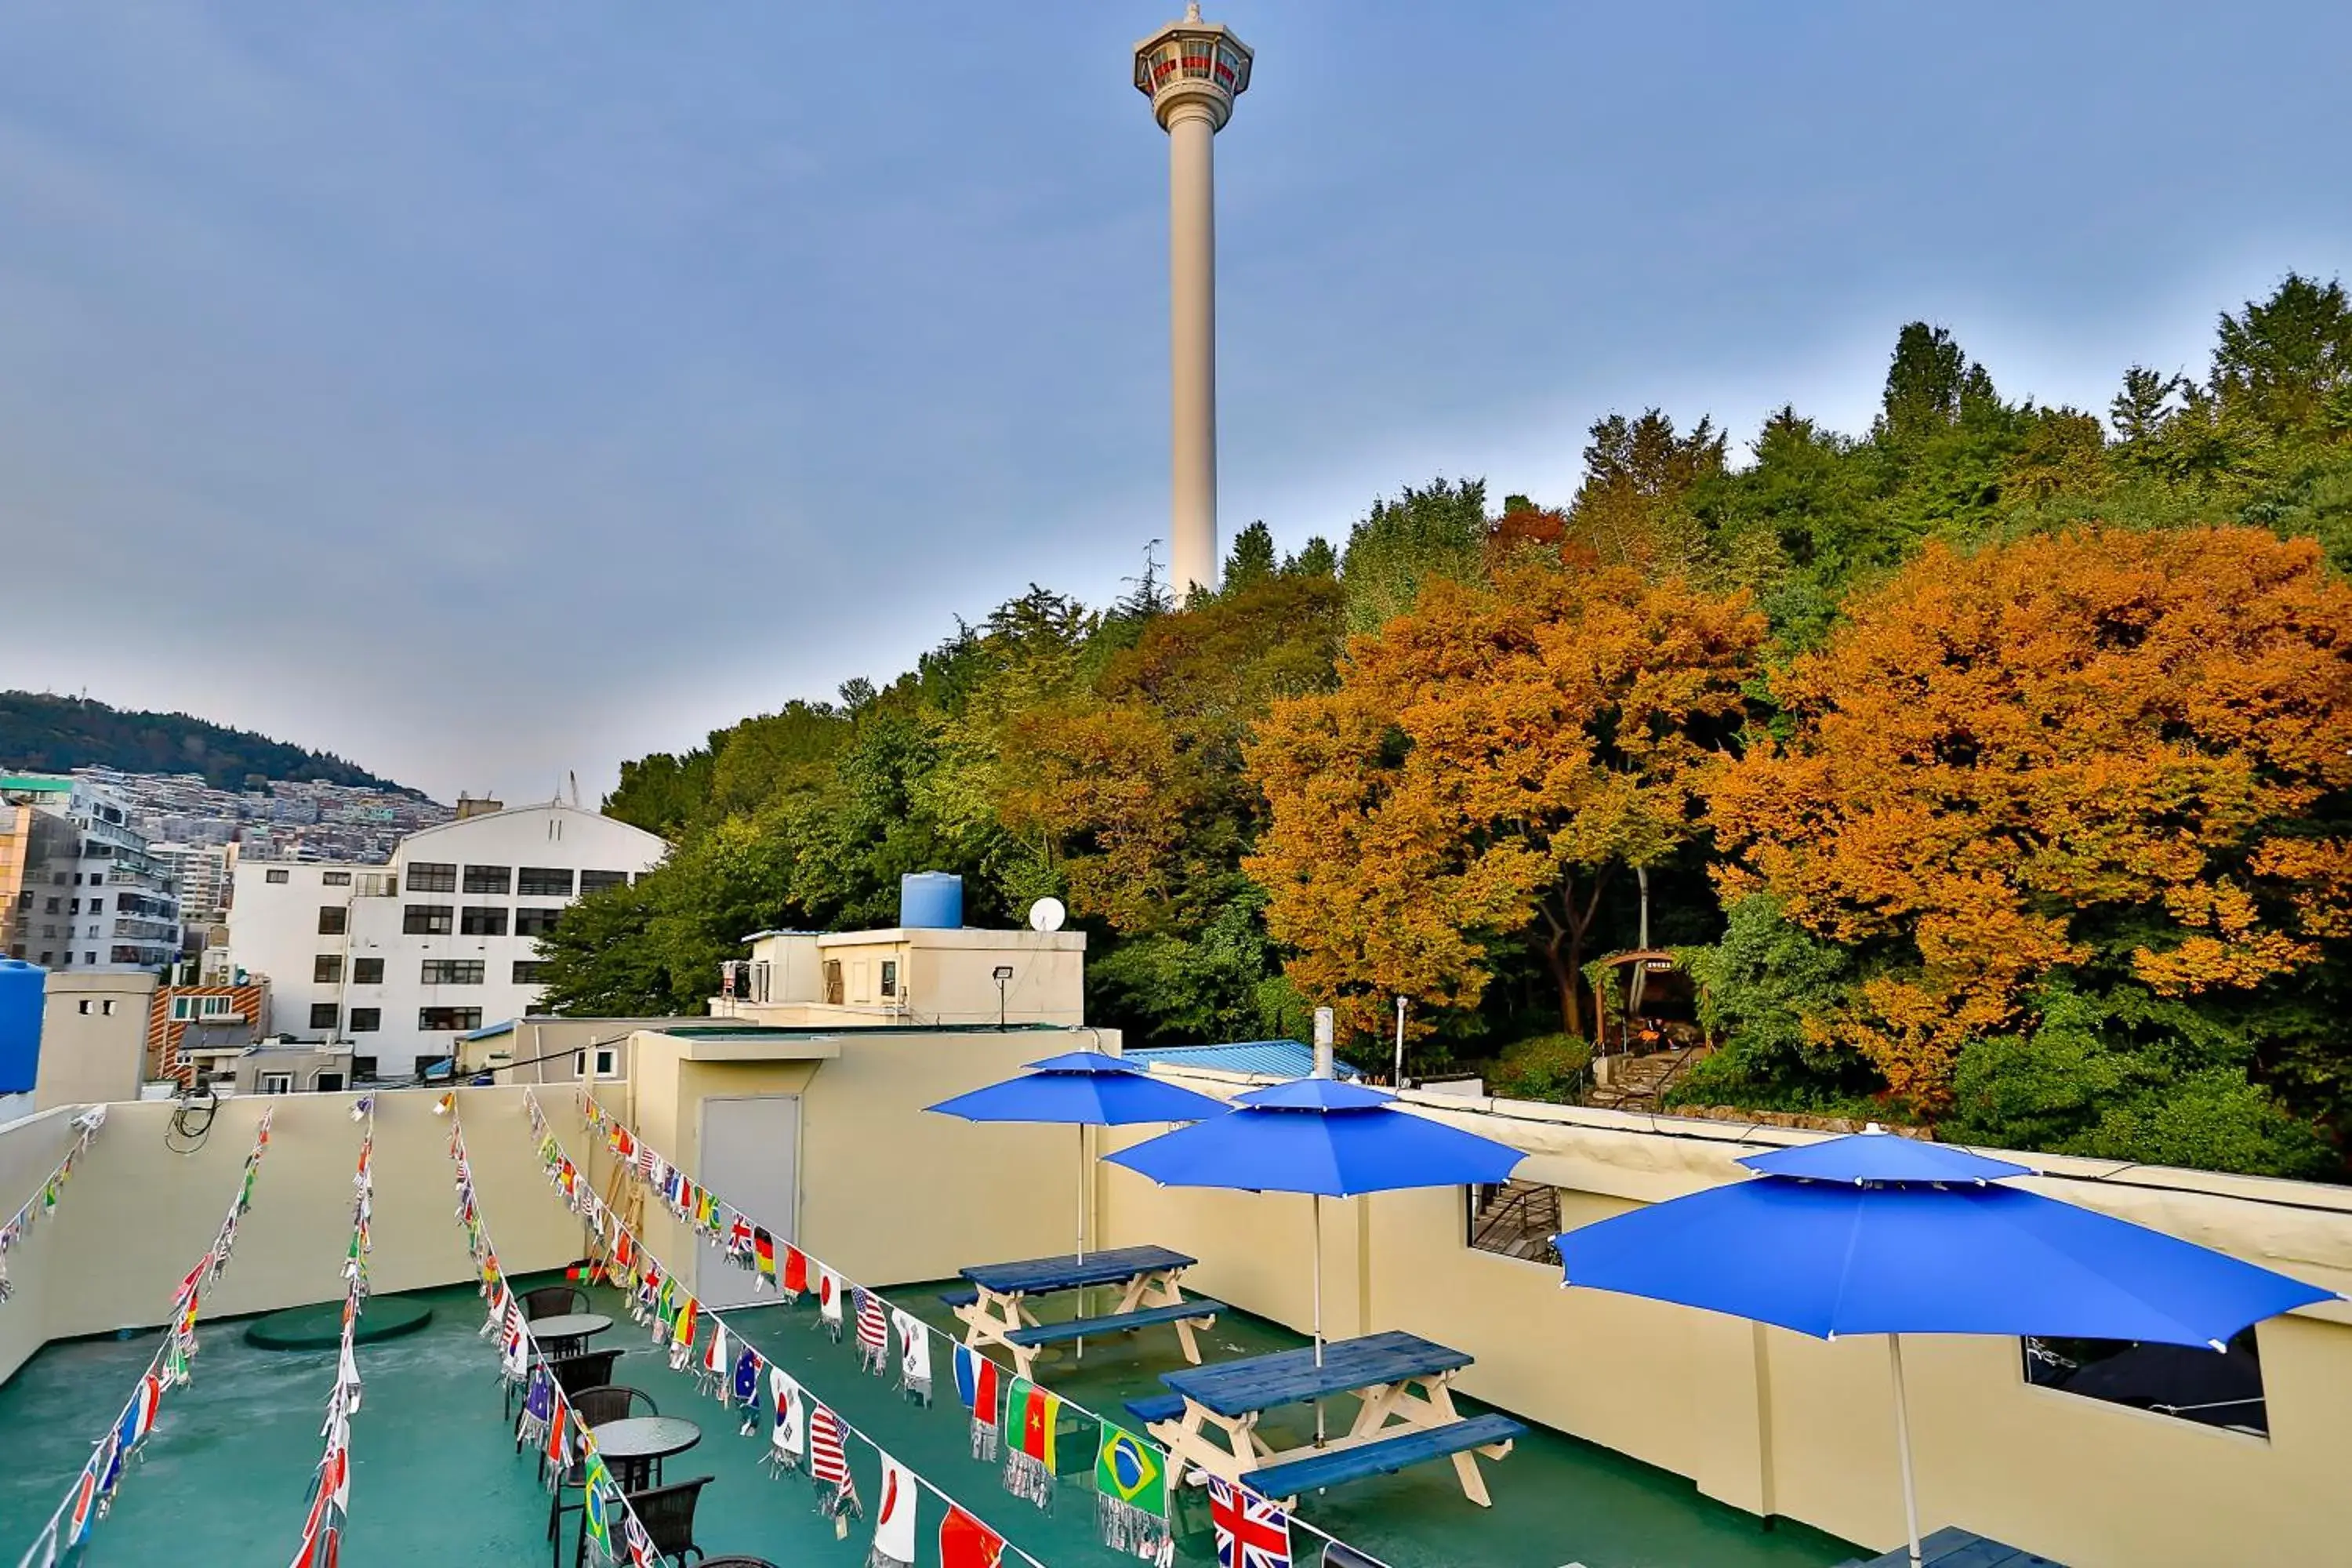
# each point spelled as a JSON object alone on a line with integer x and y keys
{"x": 553, "y": 1301}
{"x": 595, "y": 1406}
{"x": 667, "y": 1514}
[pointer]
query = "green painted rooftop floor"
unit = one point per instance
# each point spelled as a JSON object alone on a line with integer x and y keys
{"x": 224, "y": 1477}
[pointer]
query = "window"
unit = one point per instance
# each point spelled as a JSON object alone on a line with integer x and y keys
{"x": 596, "y": 881}
{"x": 453, "y": 972}
{"x": 98, "y": 879}
{"x": 432, "y": 876}
{"x": 535, "y": 922}
{"x": 328, "y": 1083}
{"x": 604, "y": 1062}
{"x": 85, "y": 1006}
{"x": 97, "y": 906}
{"x": 366, "y": 1020}
{"x": 362, "y": 1068}
{"x": 448, "y": 1018}
{"x": 2190, "y": 1383}
{"x": 428, "y": 920}
{"x": 75, "y": 909}
{"x": 325, "y": 1015}
{"x": 497, "y": 879}
{"x": 277, "y": 1083}
{"x": 216, "y": 1006}
{"x": 890, "y": 977}
{"x": 333, "y": 919}
{"x": 528, "y": 972}
{"x": 326, "y": 969}
{"x": 52, "y": 907}
{"x": 545, "y": 882}
{"x": 833, "y": 982}
{"x": 473, "y": 922}
{"x": 106, "y": 1009}
{"x": 335, "y": 878}
{"x": 182, "y": 1006}
{"x": 276, "y": 876}
{"x": 367, "y": 971}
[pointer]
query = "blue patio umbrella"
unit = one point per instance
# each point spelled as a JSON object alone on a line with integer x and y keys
{"x": 1323, "y": 1138}
{"x": 1871, "y": 1234}
{"x": 1082, "y": 1089}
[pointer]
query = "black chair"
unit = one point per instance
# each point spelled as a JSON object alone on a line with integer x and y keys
{"x": 667, "y": 1514}
{"x": 553, "y": 1301}
{"x": 595, "y": 1406}
{"x": 575, "y": 1374}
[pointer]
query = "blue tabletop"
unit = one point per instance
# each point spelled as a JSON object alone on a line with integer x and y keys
{"x": 1291, "y": 1377}
{"x": 1066, "y": 1273}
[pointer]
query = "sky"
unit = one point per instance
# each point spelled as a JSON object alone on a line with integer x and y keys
{"x": 489, "y": 394}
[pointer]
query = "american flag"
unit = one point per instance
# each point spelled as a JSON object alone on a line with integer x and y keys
{"x": 1251, "y": 1531}
{"x": 873, "y": 1327}
{"x": 828, "y": 1451}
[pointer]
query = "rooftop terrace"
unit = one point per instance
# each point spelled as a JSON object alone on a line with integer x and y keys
{"x": 435, "y": 1477}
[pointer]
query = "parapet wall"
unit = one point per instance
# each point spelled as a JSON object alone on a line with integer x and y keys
{"x": 137, "y": 1216}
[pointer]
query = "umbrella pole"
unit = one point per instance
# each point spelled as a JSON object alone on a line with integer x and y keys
{"x": 1903, "y": 1446}
{"x": 1082, "y": 1229}
{"x": 1317, "y": 1201}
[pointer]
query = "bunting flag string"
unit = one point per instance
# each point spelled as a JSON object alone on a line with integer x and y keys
{"x": 331, "y": 1488}
{"x": 804, "y": 1435}
{"x": 546, "y": 1413}
{"x": 92, "y": 1493}
{"x": 43, "y": 1203}
{"x": 1133, "y": 1483}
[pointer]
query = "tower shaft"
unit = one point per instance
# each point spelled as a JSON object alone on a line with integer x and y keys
{"x": 1192, "y": 348}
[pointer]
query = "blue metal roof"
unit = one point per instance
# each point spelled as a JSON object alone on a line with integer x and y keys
{"x": 491, "y": 1032}
{"x": 1267, "y": 1058}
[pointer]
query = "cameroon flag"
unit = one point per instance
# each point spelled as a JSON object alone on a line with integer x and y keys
{"x": 1038, "y": 1412}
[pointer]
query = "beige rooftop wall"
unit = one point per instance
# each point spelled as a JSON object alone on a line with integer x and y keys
{"x": 137, "y": 1216}
{"x": 29, "y": 1150}
{"x": 1778, "y": 1422}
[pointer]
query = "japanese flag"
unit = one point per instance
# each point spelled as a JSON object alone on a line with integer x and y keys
{"x": 894, "y": 1518}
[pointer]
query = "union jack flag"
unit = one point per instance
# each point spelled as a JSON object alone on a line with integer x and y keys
{"x": 1251, "y": 1531}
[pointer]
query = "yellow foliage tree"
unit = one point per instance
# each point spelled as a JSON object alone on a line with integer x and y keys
{"x": 1485, "y": 764}
{"x": 2003, "y": 760}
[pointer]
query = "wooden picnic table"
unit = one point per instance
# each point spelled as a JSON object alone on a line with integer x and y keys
{"x": 995, "y": 1307}
{"x": 1210, "y": 1420}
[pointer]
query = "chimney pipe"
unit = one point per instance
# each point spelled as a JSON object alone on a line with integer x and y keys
{"x": 1322, "y": 1042}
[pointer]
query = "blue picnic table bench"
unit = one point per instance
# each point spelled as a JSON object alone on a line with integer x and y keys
{"x": 1952, "y": 1547}
{"x": 1209, "y": 1420}
{"x": 993, "y": 1306}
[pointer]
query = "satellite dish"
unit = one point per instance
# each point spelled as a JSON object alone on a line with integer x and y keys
{"x": 1048, "y": 914}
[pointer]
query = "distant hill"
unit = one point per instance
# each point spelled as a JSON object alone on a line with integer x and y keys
{"x": 42, "y": 733}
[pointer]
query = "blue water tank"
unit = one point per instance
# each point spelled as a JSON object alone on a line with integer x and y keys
{"x": 22, "y": 997}
{"x": 932, "y": 901}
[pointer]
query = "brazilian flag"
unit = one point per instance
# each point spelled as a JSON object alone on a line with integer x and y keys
{"x": 595, "y": 1480}
{"x": 1130, "y": 1492}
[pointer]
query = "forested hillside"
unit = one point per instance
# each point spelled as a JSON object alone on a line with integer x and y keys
{"x": 43, "y": 733}
{"x": 1990, "y": 767}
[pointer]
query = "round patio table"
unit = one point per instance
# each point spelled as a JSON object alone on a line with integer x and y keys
{"x": 636, "y": 1445}
{"x": 568, "y": 1333}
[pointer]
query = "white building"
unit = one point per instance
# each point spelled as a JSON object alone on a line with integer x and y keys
{"x": 402, "y": 960}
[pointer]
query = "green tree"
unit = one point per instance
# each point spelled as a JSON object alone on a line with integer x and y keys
{"x": 1252, "y": 559}
{"x": 1434, "y": 532}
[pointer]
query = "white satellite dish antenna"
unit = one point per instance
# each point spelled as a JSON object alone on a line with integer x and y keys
{"x": 1048, "y": 914}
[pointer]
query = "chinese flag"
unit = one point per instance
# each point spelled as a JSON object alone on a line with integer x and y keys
{"x": 965, "y": 1542}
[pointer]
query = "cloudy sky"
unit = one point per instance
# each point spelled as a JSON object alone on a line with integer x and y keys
{"x": 484, "y": 391}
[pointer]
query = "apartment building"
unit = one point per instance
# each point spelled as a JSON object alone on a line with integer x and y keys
{"x": 402, "y": 960}
{"x": 89, "y": 893}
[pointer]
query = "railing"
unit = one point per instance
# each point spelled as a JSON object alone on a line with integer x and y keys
{"x": 1516, "y": 1219}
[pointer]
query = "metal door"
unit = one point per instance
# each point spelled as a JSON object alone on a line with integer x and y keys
{"x": 751, "y": 1157}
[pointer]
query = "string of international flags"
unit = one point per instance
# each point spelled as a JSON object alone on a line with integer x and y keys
{"x": 549, "y": 1419}
{"x": 1011, "y": 1416}
{"x": 92, "y": 1493}
{"x": 803, "y": 1433}
{"x": 43, "y": 1203}
{"x": 330, "y": 1487}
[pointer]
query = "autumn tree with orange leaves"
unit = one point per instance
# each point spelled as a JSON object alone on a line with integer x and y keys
{"x": 1488, "y": 762}
{"x": 2096, "y": 748}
